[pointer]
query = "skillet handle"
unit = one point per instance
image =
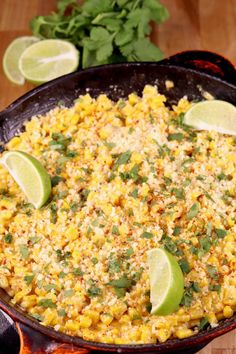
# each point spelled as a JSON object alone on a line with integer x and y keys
{"x": 208, "y": 62}
{"x": 34, "y": 342}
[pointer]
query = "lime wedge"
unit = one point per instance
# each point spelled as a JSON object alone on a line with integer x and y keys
{"x": 30, "y": 175}
{"x": 11, "y": 58}
{"x": 47, "y": 60}
{"x": 166, "y": 282}
{"x": 212, "y": 115}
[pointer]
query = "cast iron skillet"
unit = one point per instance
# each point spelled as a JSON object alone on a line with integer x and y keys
{"x": 192, "y": 73}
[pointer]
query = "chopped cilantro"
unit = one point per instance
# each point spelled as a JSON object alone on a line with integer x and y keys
{"x": 114, "y": 265}
{"x": 215, "y": 287}
{"x": 193, "y": 211}
{"x": 55, "y": 180}
{"x": 87, "y": 170}
{"x": 94, "y": 260}
{"x": 61, "y": 312}
{"x": 120, "y": 292}
{"x": 94, "y": 291}
{"x": 68, "y": 293}
{"x": 221, "y": 233}
{"x": 78, "y": 271}
{"x": 109, "y": 145}
{"x": 203, "y": 323}
{"x": 200, "y": 178}
{"x": 209, "y": 229}
{"x": 37, "y": 317}
{"x": 122, "y": 159}
{"x": 187, "y": 161}
{"x": 74, "y": 207}
{"x": 195, "y": 287}
{"x": 178, "y": 192}
{"x": 50, "y": 287}
{"x": 34, "y": 240}
{"x": 134, "y": 193}
{"x": 131, "y": 130}
{"x": 71, "y": 154}
{"x": 148, "y": 307}
{"x": 62, "y": 275}
{"x": 115, "y": 230}
{"x": 205, "y": 243}
{"x": 8, "y": 238}
{"x": 53, "y": 209}
{"x": 212, "y": 271}
{"x": 207, "y": 195}
{"x": 147, "y": 235}
{"x": 62, "y": 256}
{"x": 83, "y": 196}
{"x": 28, "y": 279}
{"x": 187, "y": 182}
{"x": 111, "y": 177}
{"x": 184, "y": 265}
{"x": 171, "y": 246}
{"x": 59, "y": 142}
{"x": 175, "y": 136}
{"x": 221, "y": 176}
{"x": 176, "y": 231}
{"x": 167, "y": 180}
{"x": 24, "y": 251}
{"x": 47, "y": 303}
{"x": 187, "y": 297}
{"x": 122, "y": 282}
{"x": 129, "y": 252}
{"x": 89, "y": 230}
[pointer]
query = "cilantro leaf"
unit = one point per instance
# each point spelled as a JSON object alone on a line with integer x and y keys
{"x": 104, "y": 31}
{"x": 203, "y": 323}
{"x": 193, "y": 211}
{"x": 175, "y": 136}
{"x": 47, "y": 303}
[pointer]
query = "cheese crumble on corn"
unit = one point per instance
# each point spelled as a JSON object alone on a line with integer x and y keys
{"x": 127, "y": 176}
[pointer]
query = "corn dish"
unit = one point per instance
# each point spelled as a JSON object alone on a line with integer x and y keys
{"x": 127, "y": 176}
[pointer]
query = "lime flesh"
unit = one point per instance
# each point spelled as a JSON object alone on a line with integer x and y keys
{"x": 30, "y": 175}
{"x": 214, "y": 115}
{"x": 166, "y": 282}
{"x": 12, "y": 55}
{"x": 47, "y": 60}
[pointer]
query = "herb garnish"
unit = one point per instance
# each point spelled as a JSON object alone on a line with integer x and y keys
{"x": 203, "y": 323}
{"x": 78, "y": 272}
{"x": 8, "y": 238}
{"x": 122, "y": 159}
{"x": 24, "y": 251}
{"x": 175, "y": 136}
{"x": 147, "y": 235}
{"x": 28, "y": 279}
{"x": 115, "y": 230}
{"x": 104, "y": 31}
{"x": 212, "y": 271}
{"x": 184, "y": 265}
{"x": 193, "y": 211}
{"x": 55, "y": 180}
{"x": 47, "y": 303}
{"x": 94, "y": 291}
{"x": 53, "y": 209}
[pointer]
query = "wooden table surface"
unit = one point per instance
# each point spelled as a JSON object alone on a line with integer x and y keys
{"x": 193, "y": 24}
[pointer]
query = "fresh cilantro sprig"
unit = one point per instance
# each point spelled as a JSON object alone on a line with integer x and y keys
{"x": 105, "y": 31}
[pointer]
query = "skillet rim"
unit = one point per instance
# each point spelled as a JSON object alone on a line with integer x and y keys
{"x": 60, "y": 79}
{"x": 202, "y": 337}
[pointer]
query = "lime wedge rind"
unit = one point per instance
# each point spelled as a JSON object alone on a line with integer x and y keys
{"x": 31, "y": 174}
{"x": 166, "y": 282}
{"x": 216, "y": 115}
{"x": 12, "y": 55}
